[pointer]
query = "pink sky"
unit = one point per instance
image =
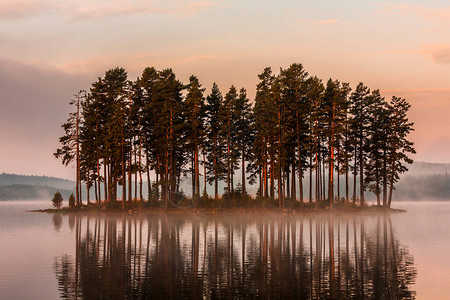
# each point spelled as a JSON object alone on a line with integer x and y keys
{"x": 50, "y": 49}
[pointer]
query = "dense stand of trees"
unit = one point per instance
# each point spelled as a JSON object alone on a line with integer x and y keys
{"x": 298, "y": 139}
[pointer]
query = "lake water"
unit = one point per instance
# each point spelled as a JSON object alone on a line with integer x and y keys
{"x": 248, "y": 255}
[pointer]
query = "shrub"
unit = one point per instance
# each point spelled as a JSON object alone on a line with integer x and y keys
{"x": 57, "y": 200}
{"x": 71, "y": 200}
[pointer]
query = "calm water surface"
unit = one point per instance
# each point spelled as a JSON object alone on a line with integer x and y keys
{"x": 303, "y": 256}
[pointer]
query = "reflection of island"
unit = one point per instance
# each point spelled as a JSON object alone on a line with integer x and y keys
{"x": 224, "y": 257}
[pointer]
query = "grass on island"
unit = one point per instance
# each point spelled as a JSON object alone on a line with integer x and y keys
{"x": 209, "y": 204}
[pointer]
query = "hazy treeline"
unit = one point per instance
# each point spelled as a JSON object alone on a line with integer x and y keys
{"x": 215, "y": 257}
{"x": 10, "y": 179}
{"x": 428, "y": 187}
{"x": 123, "y": 131}
{"x": 29, "y": 192}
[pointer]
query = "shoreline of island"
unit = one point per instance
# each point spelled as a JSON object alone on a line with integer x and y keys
{"x": 219, "y": 211}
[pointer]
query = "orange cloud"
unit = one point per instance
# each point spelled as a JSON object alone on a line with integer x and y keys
{"x": 14, "y": 9}
{"x": 428, "y": 13}
{"x": 135, "y": 63}
{"x": 327, "y": 22}
{"x": 100, "y": 8}
{"x": 319, "y": 22}
{"x": 439, "y": 53}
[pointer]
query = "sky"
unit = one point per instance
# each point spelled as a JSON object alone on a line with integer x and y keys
{"x": 50, "y": 49}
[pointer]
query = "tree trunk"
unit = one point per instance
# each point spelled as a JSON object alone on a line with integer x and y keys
{"x": 287, "y": 182}
{"x": 260, "y": 183}
{"x": 88, "y": 187}
{"x": 149, "y": 183}
{"x": 294, "y": 190}
{"x": 204, "y": 174}
{"x": 197, "y": 172}
{"x": 78, "y": 196}
{"x": 166, "y": 177}
{"x": 216, "y": 186}
{"x": 135, "y": 177}
{"x": 338, "y": 177}
{"x": 141, "y": 197}
{"x": 346, "y": 181}
{"x": 244, "y": 191}
{"x": 300, "y": 175}
{"x": 361, "y": 170}
{"x": 193, "y": 175}
{"x": 330, "y": 176}
{"x": 272, "y": 179}
{"x": 105, "y": 180}
{"x": 331, "y": 162}
{"x": 355, "y": 173}
{"x": 310, "y": 179}
{"x": 265, "y": 173}
{"x": 385, "y": 175}
{"x": 228, "y": 173}
{"x": 280, "y": 188}
{"x": 324, "y": 181}
{"x": 97, "y": 195}
{"x": 378, "y": 189}
{"x": 391, "y": 181}
{"x": 95, "y": 188}
{"x": 130, "y": 178}
{"x": 317, "y": 181}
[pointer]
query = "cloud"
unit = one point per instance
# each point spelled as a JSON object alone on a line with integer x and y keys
{"x": 135, "y": 63}
{"x": 82, "y": 9}
{"x": 319, "y": 22}
{"x": 428, "y": 13}
{"x": 437, "y": 91}
{"x": 439, "y": 53}
{"x": 16, "y": 9}
{"x": 327, "y": 22}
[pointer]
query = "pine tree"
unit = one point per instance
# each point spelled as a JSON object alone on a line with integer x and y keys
{"x": 243, "y": 130}
{"x": 70, "y": 142}
{"x": 315, "y": 94}
{"x": 195, "y": 115}
{"x": 293, "y": 90}
{"x": 151, "y": 133}
{"x": 215, "y": 164}
{"x": 57, "y": 200}
{"x": 375, "y": 147}
{"x": 399, "y": 145}
{"x": 71, "y": 201}
{"x": 170, "y": 131}
{"x": 264, "y": 122}
{"x": 228, "y": 137}
{"x": 360, "y": 116}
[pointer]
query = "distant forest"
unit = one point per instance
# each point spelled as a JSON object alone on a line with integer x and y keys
{"x": 9, "y": 179}
{"x": 24, "y": 187}
{"x": 297, "y": 126}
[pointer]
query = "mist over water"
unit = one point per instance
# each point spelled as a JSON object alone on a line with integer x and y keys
{"x": 225, "y": 255}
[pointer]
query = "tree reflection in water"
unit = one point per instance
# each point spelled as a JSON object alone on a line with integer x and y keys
{"x": 239, "y": 256}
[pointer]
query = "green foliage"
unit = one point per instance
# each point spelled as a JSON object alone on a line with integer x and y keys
{"x": 57, "y": 200}
{"x": 71, "y": 200}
